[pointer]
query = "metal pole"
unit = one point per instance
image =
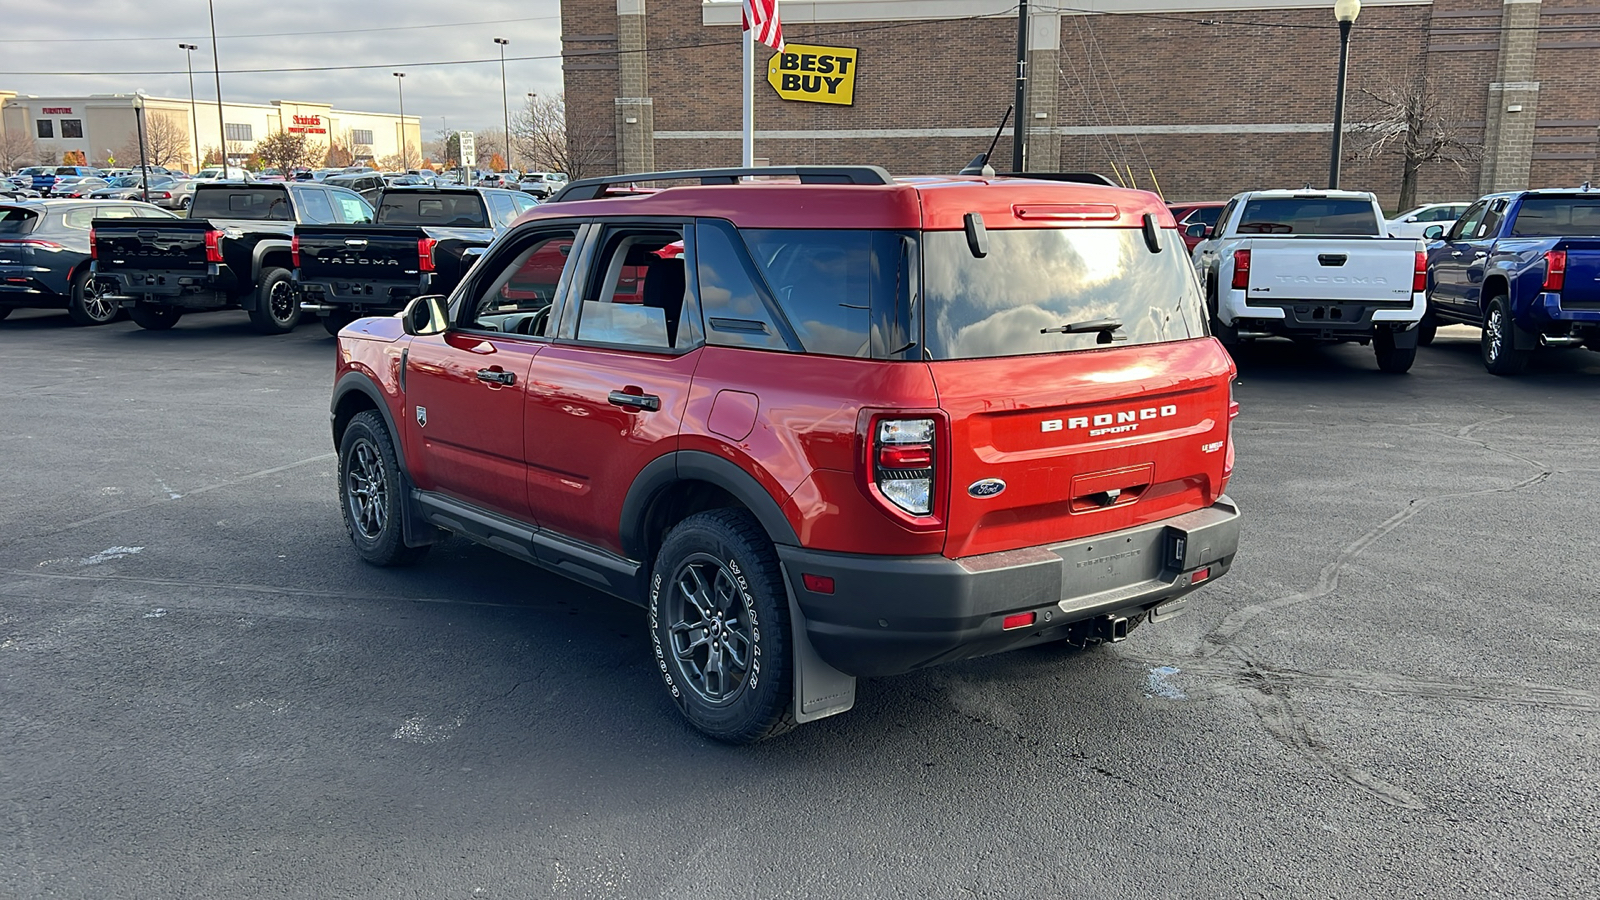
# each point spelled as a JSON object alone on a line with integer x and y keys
{"x": 144, "y": 169}
{"x": 194, "y": 112}
{"x": 749, "y": 97}
{"x": 216, "y": 69}
{"x": 1338, "y": 105}
{"x": 1019, "y": 127}
{"x": 505, "y": 106}
{"x": 400, "y": 79}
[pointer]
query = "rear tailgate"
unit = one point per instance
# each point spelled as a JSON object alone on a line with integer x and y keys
{"x": 1581, "y": 286}
{"x": 359, "y": 252}
{"x": 1370, "y": 269}
{"x": 150, "y": 244}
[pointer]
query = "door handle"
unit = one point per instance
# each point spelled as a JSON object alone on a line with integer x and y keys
{"x": 1456, "y": 253}
{"x": 497, "y": 376}
{"x": 1480, "y": 256}
{"x": 634, "y": 401}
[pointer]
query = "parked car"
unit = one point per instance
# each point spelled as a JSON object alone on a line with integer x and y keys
{"x": 1413, "y": 222}
{"x": 806, "y": 471}
{"x": 11, "y": 190}
{"x": 45, "y": 255}
{"x": 1313, "y": 266}
{"x": 218, "y": 173}
{"x": 421, "y": 243}
{"x": 234, "y": 250}
{"x": 1187, "y": 214}
{"x": 1525, "y": 268}
{"x": 180, "y": 196}
{"x": 366, "y": 182}
{"x": 133, "y": 187}
{"x": 44, "y": 177}
{"x": 80, "y": 188}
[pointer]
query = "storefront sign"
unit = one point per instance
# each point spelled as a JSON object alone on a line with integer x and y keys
{"x": 58, "y": 110}
{"x": 307, "y": 125}
{"x": 812, "y": 74}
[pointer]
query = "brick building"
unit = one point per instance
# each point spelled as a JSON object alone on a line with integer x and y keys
{"x": 1201, "y": 98}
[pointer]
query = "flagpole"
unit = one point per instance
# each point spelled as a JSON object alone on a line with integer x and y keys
{"x": 749, "y": 98}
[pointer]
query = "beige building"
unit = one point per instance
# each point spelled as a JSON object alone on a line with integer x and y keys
{"x": 102, "y": 126}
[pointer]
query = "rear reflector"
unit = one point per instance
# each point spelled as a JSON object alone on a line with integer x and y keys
{"x": 1555, "y": 270}
{"x": 1241, "y": 270}
{"x": 914, "y": 456}
{"x": 1017, "y": 620}
{"x": 1200, "y": 576}
{"x": 817, "y": 584}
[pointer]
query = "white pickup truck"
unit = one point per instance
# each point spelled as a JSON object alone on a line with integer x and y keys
{"x": 1314, "y": 266}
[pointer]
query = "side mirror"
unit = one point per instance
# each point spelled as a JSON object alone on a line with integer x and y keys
{"x": 1433, "y": 232}
{"x": 1413, "y": 219}
{"x": 429, "y": 314}
{"x": 1197, "y": 230}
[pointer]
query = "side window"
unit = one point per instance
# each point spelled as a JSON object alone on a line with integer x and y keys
{"x": 523, "y": 202}
{"x": 314, "y": 207}
{"x": 501, "y": 208}
{"x": 79, "y": 218}
{"x": 828, "y": 283}
{"x": 1490, "y": 226}
{"x": 1223, "y": 217}
{"x": 636, "y": 291}
{"x": 1468, "y": 223}
{"x": 352, "y": 209}
{"x": 517, "y": 298}
{"x": 116, "y": 212}
{"x": 737, "y": 312}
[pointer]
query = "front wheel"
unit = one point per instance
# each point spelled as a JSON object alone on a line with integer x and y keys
{"x": 1392, "y": 359}
{"x": 154, "y": 318}
{"x": 276, "y": 310}
{"x": 719, "y": 621}
{"x": 371, "y": 495}
{"x": 89, "y": 303}
{"x": 1500, "y": 355}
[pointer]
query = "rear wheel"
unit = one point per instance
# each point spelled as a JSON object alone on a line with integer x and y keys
{"x": 1428, "y": 329}
{"x": 370, "y": 495}
{"x": 333, "y": 321}
{"x": 276, "y": 310}
{"x": 1227, "y": 334}
{"x": 5, "y": 311}
{"x": 719, "y": 621}
{"x": 1392, "y": 359}
{"x": 89, "y": 303}
{"x": 1500, "y": 355}
{"x": 154, "y": 318}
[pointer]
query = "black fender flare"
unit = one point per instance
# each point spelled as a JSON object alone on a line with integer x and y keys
{"x": 696, "y": 465}
{"x": 258, "y": 256}
{"x": 363, "y": 383}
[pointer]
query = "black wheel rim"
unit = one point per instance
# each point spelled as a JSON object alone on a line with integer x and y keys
{"x": 281, "y": 301}
{"x": 366, "y": 490}
{"x": 96, "y": 303}
{"x": 709, "y": 629}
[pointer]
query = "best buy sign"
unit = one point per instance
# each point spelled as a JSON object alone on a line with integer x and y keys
{"x": 814, "y": 74}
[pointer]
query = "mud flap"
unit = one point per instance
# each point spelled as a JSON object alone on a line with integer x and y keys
{"x": 1523, "y": 339}
{"x": 820, "y": 690}
{"x": 1406, "y": 339}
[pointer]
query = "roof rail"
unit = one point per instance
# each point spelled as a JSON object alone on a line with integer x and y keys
{"x": 593, "y": 188}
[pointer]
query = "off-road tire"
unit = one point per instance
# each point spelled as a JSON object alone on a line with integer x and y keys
{"x": 718, "y": 569}
{"x": 371, "y": 493}
{"x": 277, "y": 309}
{"x": 87, "y": 305}
{"x": 333, "y": 321}
{"x": 1392, "y": 359}
{"x": 1498, "y": 343}
{"x": 154, "y": 318}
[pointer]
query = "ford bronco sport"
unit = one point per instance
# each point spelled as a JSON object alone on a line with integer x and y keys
{"x": 847, "y": 425}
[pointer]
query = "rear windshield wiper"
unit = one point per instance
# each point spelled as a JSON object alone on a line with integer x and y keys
{"x": 1107, "y": 329}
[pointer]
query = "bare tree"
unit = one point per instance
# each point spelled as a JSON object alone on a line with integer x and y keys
{"x": 287, "y": 151}
{"x": 341, "y": 150}
{"x": 1416, "y": 124}
{"x": 17, "y": 149}
{"x": 550, "y": 140}
{"x": 166, "y": 142}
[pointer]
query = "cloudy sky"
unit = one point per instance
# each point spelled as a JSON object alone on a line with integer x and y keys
{"x": 92, "y": 39}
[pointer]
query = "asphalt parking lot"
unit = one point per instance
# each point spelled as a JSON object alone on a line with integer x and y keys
{"x": 203, "y": 693}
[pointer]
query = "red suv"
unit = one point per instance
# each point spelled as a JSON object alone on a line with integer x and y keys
{"x": 843, "y": 425}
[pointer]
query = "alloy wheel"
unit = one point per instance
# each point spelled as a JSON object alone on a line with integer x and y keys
{"x": 710, "y": 628}
{"x": 1494, "y": 329}
{"x": 366, "y": 489}
{"x": 281, "y": 301}
{"x": 96, "y": 301}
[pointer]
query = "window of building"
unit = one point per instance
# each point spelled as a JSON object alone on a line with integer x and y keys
{"x": 238, "y": 132}
{"x": 47, "y": 128}
{"x": 72, "y": 128}
{"x": 361, "y": 136}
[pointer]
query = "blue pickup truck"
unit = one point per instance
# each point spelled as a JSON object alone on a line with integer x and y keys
{"x": 1525, "y": 268}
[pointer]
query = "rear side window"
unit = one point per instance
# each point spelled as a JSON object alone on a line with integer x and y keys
{"x": 16, "y": 220}
{"x": 504, "y": 211}
{"x": 260, "y": 203}
{"x": 314, "y": 207}
{"x": 737, "y": 311}
{"x": 1015, "y": 300}
{"x": 1558, "y": 217}
{"x": 425, "y": 208}
{"x": 1208, "y": 215}
{"x": 845, "y": 293}
{"x": 1308, "y": 215}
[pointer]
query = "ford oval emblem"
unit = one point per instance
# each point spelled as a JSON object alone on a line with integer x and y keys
{"x": 988, "y": 487}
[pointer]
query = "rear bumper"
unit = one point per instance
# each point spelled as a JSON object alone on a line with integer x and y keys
{"x": 184, "y": 288}
{"x": 1330, "y": 318}
{"x": 890, "y": 615}
{"x": 29, "y": 285}
{"x": 1548, "y": 307}
{"x": 356, "y": 294}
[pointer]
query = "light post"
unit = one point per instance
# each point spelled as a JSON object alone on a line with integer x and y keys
{"x": 400, "y": 79}
{"x": 535, "y": 126}
{"x": 1345, "y": 12}
{"x": 216, "y": 70}
{"x": 505, "y": 108}
{"x": 138, "y": 123}
{"x": 194, "y": 114}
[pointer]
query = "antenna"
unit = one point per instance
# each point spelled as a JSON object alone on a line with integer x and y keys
{"x": 980, "y": 163}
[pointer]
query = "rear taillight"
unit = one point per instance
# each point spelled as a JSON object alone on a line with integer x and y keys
{"x": 1555, "y": 270}
{"x": 294, "y": 251}
{"x": 425, "y": 254}
{"x": 94, "y": 249}
{"x": 213, "y": 246}
{"x": 1419, "y": 273}
{"x": 904, "y": 463}
{"x": 165, "y": 195}
{"x": 1241, "y": 270}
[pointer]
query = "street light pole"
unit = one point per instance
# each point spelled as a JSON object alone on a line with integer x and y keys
{"x": 194, "y": 113}
{"x": 505, "y": 107}
{"x": 216, "y": 70}
{"x": 1344, "y": 12}
{"x": 138, "y": 124}
{"x": 1019, "y": 128}
{"x": 400, "y": 79}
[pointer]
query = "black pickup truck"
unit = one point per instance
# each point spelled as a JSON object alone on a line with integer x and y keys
{"x": 421, "y": 244}
{"x": 234, "y": 250}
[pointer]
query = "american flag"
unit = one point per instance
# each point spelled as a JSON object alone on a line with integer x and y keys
{"x": 761, "y": 16}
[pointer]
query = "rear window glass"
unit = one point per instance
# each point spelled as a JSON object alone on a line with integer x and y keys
{"x": 1034, "y": 281}
{"x": 16, "y": 220}
{"x": 1308, "y": 215}
{"x": 427, "y": 208}
{"x": 845, "y": 293}
{"x": 241, "y": 203}
{"x": 1558, "y": 217}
